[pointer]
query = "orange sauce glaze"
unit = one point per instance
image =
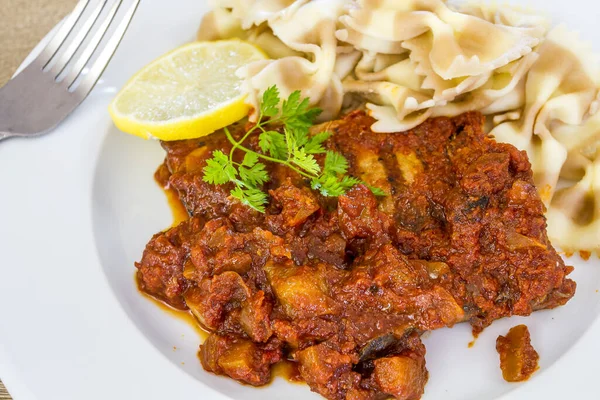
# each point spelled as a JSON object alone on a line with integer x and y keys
{"x": 178, "y": 210}
{"x": 287, "y": 370}
{"x": 185, "y": 316}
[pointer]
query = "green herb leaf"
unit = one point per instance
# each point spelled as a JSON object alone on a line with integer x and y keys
{"x": 331, "y": 186}
{"x": 254, "y": 176}
{"x": 300, "y": 136}
{"x": 250, "y": 159}
{"x": 251, "y": 197}
{"x": 315, "y": 143}
{"x": 377, "y": 191}
{"x": 269, "y": 107}
{"x": 289, "y": 108}
{"x": 296, "y": 115}
{"x": 219, "y": 169}
{"x": 348, "y": 182}
{"x": 290, "y": 141}
{"x": 335, "y": 164}
{"x": 305, "y": 161}
{"x": 302, "y": 121}
{"x": 274, "y": 144}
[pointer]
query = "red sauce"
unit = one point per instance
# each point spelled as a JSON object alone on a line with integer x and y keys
{"x": 287, "y": 370}
{"x": 180, "y": 214}
{"x": 185, "y": 316}
{"x": 178, "y": 210}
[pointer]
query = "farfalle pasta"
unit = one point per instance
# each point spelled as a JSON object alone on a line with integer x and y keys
{"x": 460, "y": 45}
{"x": 406, "y": 61}
{"x": 574, "y": 216}
{"x": 439, "y": 48}
{"x": 558, "y": 123}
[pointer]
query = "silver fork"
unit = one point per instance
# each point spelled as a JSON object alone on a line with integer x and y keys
{"x": 60, "y": 78}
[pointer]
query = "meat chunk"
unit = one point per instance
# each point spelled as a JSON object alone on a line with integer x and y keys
{"x": 217, "y": 301}
{"x": 403, "y": 377}
{"x": 518, "y": 358}
{"x": 297, "y": 205}
{"x": 301, "y": 291}
{"x": 239, "y": 359}
{"x": 359, "y": 217}
{"x": 160, "y": 272}
{"x": 328, "y": 372}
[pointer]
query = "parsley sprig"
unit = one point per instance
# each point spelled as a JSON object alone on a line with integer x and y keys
{"x": 294, "y": 148}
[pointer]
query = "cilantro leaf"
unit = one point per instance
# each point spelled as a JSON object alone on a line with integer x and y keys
{"x": 305, "y": 161}
{"x": 296, "y": 115}
{"x": 255, "y": 175}
{"x": 250, "y": 159}
{"x": 273, "y": 143}
{"x": 314, "y": 144}
{"x": 300, "y": 136}
{"x": 270, "y": 102}
{"x": 289, "y": 108}
{"x": 335, "y": 163}
{"x": 377, "y": 191}
{"x": 219, "y": 169}
{"x": 331, "y": 186}
{"x": 328, "y": 185}
{"x": 348, "y": 182}
{"x": 302, "y": 121}
{"x": 290, "y": 140}
{"x": 251, "y": 197}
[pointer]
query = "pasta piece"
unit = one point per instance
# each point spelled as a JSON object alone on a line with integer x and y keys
{"x": 309, "y": 29}
{"x": 581, "y": 143}
{"x": 507, "y": 14}
{"x": 462, "y": 45}
{"x": 255, "y": 12}
{"x": 221, "y": 24}
{"x": 574, "y": 216}
{"x": 502, "y": 92}
{"x": 561, "y": 89}
{"x": 370, "y": 44}
{"x": 394, "y": 92}
{"x": 387, "y": 118}
{"x": 397, "y": 70}
{"x": 443, "y": 89}
{"x": 411, "y": 86}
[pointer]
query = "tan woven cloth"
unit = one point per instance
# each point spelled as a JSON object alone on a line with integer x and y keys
{"x": 23, "y": 23}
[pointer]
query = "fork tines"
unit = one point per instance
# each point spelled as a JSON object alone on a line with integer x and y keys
{"x": 85, "y": 42}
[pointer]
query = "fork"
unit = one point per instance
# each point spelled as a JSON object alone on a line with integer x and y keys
{"x": 45, "y": 92}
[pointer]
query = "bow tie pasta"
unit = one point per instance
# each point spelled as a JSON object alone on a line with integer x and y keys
{"x": 560, "y": 89}
{"x": 409, "y": 60}
{"x": 574, "y": 212}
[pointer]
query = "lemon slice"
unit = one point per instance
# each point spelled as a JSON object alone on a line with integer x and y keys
{"x": 187, "y": 93}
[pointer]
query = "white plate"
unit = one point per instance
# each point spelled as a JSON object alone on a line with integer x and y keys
{"x": 77, "y": 208}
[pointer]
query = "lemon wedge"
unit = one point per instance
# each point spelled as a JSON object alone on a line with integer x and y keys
{"x": 189, "y": 92}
